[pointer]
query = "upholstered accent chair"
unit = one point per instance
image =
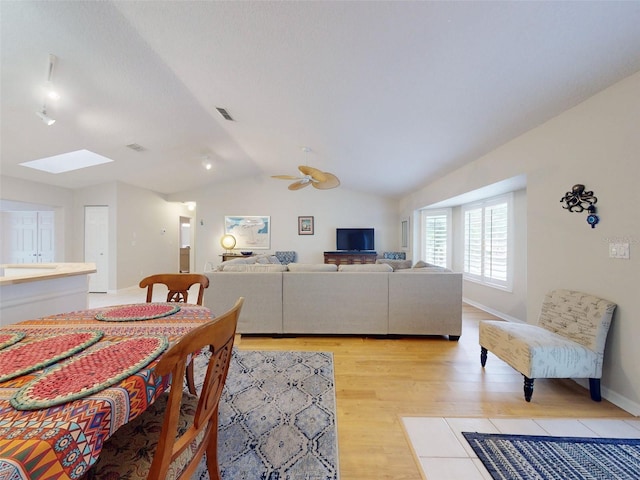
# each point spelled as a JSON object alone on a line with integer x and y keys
{"x": 567, "y": 342}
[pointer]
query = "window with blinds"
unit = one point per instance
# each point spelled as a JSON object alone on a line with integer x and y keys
{"x": 486, "y": 241}
{"x": 436, "y": 232}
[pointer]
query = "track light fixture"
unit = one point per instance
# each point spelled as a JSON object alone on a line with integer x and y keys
{"x": 44, "y": 117}
{"x": 50, "y": 93}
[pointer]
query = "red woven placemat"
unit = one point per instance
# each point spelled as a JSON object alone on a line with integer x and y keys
{"x": 9, "y": 338}
{"x": 138, "y": 311}
{"x": 28, "y": 356}
{"x": 89, "y": 372}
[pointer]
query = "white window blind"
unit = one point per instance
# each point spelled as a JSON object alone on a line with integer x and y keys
{"x": 436, "y": 233}
{"x": 486, "y": 241}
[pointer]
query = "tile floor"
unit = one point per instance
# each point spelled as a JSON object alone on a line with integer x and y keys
{"x": 443, "y": 454}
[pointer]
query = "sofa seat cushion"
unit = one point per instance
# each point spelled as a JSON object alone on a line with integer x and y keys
{"x": 538, "y": 353}
{"x": 312, "y": 267}
{"x": 366, "y": 267}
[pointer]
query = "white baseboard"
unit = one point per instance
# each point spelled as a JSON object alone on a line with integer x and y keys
{"x": 498, "y": 314}
{"x": 624, "y": 403}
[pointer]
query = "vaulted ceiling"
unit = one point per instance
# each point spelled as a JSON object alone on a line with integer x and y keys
{"x": 387, "y": 95}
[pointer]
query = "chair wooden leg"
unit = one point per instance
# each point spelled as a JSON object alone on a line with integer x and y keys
{"x": 528, "y": 388}
{"x": 191, "y": 384}
{"x": 594, "y": 388}
{"x": 483, "y": 356}
{"x": 212, "y": 452}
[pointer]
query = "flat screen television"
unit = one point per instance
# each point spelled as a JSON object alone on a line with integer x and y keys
{"x": 354, "y": 239}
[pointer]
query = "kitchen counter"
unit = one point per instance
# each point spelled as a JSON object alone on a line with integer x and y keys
{"x": 30, "y": 272}
{"x": 30, "y": 291}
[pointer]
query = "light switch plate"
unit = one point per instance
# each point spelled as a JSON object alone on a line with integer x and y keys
{"x": 619, "y": 250}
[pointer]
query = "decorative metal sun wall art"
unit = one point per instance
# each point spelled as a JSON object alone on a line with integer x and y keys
{"x": 578, "y": 200}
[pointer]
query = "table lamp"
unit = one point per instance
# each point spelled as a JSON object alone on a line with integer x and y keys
{"x": 228, "y": 242}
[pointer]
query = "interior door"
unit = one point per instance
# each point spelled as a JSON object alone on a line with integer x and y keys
{"x": 46, "y": 236}
{"x": 96, "y": 246}
{"x": 24, "y": 237}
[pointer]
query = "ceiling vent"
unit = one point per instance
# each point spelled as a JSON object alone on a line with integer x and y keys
{"x": 136, "y": 147}
{"x": 224, "y": 114}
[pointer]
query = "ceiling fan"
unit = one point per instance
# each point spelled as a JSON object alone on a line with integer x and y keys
{"x": 311, "y": 176}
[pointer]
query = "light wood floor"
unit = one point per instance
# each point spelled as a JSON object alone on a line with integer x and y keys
{"x": 378, "y": 381}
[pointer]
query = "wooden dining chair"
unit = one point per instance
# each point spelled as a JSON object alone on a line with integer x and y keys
{"x": 178, "y": 285}
{"x": 168, "y": 440}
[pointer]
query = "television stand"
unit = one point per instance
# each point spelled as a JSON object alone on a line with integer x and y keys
{"x": 350, "y": 257}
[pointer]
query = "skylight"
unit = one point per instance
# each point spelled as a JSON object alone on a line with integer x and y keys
{"x": 67, "y": 162}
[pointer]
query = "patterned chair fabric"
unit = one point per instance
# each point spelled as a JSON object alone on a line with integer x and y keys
{"x": 394, "y": 255}
{"x": 286, "y": 257}
{"x": 126, "y": 449}
{"x": 567, "y": 342}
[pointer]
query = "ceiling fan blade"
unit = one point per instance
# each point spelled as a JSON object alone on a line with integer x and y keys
{"x": 314, "y": 173}
{"x": 330, "y": 182}
{"x": 285, "y": 177}
{"x": 299, "y": 184}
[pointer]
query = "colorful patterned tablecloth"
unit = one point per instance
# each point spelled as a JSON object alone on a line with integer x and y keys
{"x": 62, "y": 442}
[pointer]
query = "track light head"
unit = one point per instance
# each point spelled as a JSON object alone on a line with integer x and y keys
{"x": 45, "y": 118}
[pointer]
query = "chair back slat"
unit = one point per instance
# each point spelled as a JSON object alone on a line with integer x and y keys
{"x": 178, "y": 285}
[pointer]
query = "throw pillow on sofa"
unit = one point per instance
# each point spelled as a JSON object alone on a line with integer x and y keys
{"x": 395, "y": 264}
{"x": 267, "y": 259}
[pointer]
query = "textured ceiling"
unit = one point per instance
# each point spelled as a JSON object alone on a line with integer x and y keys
{"x": 388, "y": 95}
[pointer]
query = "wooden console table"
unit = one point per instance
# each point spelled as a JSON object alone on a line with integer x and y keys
{"x": 350, "y": 258}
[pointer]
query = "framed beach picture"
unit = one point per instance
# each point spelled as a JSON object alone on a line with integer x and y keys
{"x": 305, "y": 225}
{"x": 253, "y": 232}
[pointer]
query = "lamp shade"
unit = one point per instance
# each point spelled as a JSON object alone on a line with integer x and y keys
{"x": 228, "y": 241}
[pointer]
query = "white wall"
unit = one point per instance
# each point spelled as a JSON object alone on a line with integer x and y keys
{"x": 148, "y": 234}
{"x": 266, "y": 196}
{"x": 61, "y": 199}
{"x": 596, "y": 144}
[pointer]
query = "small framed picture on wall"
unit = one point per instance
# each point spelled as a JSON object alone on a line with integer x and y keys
{"x": 305, "y": 225}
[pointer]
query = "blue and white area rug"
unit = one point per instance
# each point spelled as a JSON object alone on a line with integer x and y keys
{"x": 277, "y": 417}
{"x": 529, "y": 457}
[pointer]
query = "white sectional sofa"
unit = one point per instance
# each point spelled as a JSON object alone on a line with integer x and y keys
{"x": 358, "y": 301}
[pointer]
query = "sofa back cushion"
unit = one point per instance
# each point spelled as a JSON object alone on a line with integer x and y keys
{"x": 367, "y": 267}
{"x": 312, "y": 267}
{"x": 256, "y": 267}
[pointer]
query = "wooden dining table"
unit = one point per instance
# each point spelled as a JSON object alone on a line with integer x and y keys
{"x": 63, "y": 441}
